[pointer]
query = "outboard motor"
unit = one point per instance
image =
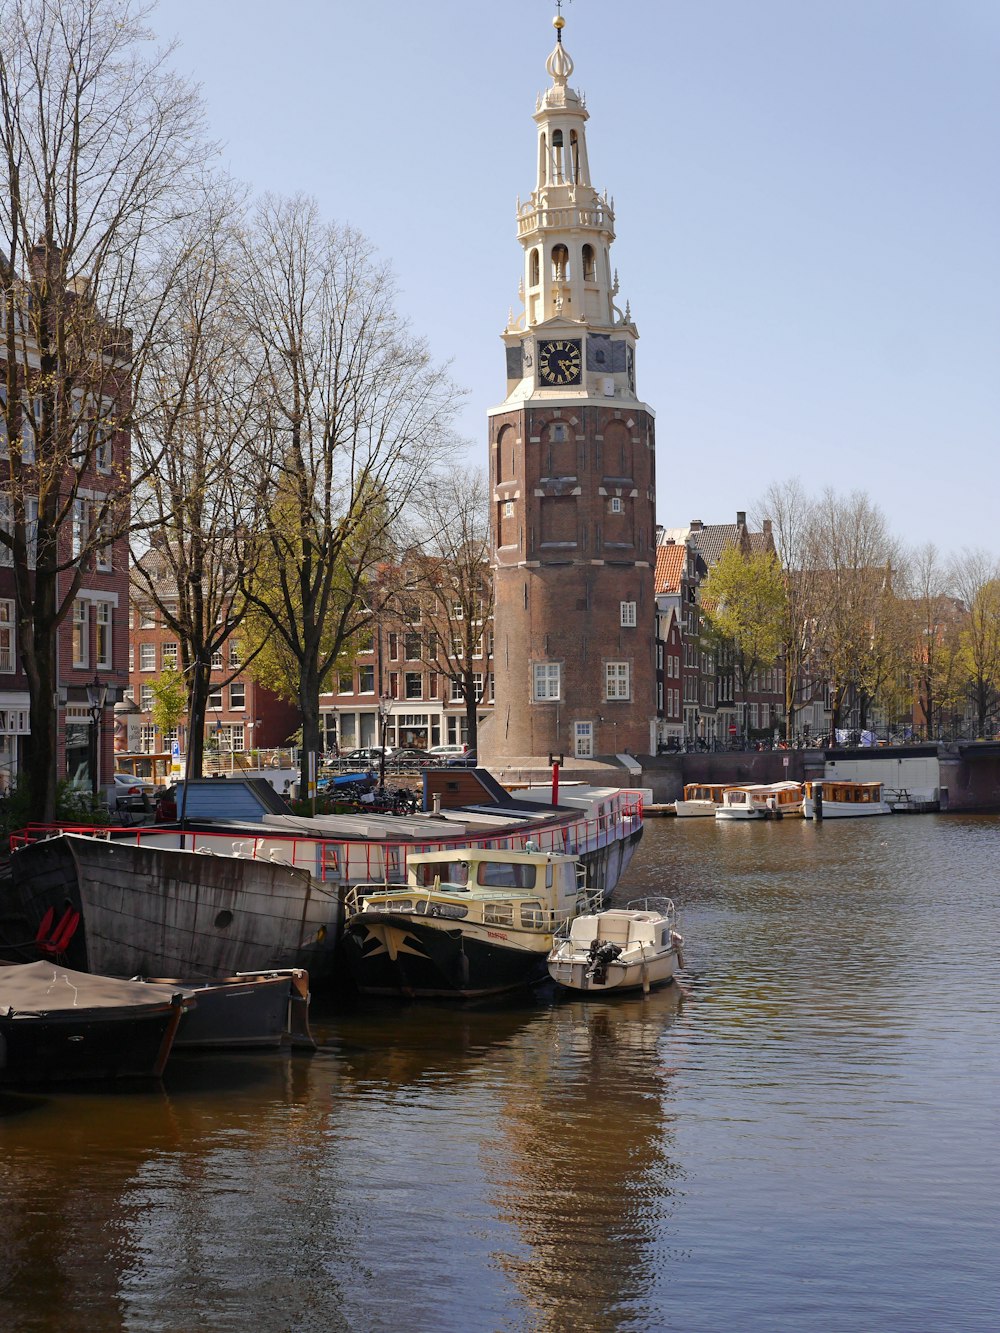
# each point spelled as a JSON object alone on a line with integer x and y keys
{"x": 602, "y": 952}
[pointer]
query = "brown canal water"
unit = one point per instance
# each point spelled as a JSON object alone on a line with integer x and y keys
{"x": 802, "y": 1137}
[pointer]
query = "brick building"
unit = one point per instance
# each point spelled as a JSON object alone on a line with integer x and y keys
{"x": 75, "y": 442}
{"x": 572, "y": 475}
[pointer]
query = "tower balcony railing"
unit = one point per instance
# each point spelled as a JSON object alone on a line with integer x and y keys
{"x": 561, "y": 219}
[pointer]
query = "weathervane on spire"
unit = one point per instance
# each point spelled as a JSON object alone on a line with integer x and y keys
{"x": 559, "y": 22}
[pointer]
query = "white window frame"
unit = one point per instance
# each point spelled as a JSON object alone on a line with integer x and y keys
{"x": 102, "y": 635}
{"x": 615, "y": 504}
{"x": 617, "y": 680}
{"x": 546, "y": 681}
{"x": 147, "y": 656}
{"x": 81, "y": 637}
{"x": 169, "y": 656}
{"x": 628, "y": 615}
{"x": 8, "y": 631}
{"x": 583, "y": 740}
{"x": 145, "y": 698}
{"x": 237, "y": 697}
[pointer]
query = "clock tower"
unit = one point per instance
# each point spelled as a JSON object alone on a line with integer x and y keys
{"x": 571, "y": 474}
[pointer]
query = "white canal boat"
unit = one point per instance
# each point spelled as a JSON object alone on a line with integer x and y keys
{"x": 700, "y": 800}
{"x": 772, "y": 800}
{"x": 831, "y": 799}
{"x": 621, "y": 949}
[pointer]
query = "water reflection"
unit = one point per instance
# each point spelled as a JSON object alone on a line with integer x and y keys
{"x": 583, "y": 1165}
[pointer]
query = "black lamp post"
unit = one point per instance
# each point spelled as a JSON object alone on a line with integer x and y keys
{"x": 97, "y": 695}
{"x": 384, "y": 709}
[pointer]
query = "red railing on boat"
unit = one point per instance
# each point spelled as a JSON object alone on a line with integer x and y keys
{"x": 363, "y": 860}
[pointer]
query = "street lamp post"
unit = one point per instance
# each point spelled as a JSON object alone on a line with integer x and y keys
{"x": 384, "y": 709}
{"x": 97, "y": 695}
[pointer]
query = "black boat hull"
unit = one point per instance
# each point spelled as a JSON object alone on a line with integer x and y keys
{"x": 395, "y": 953}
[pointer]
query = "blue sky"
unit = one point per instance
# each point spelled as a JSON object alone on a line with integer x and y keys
{"x": 807, "y": 201}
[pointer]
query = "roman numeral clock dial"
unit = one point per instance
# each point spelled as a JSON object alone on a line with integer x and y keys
{"x": 560, "y": 361}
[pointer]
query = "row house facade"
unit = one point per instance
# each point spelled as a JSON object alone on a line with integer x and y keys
{"x": 92, "y": 640}
{"x": 393, "y": 693}
{"x": 241, "y": 714}
{"x": 698, "y": 696}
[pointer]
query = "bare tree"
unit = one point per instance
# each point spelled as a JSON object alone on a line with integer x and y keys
{"x": 791, "y": 515}
{"x": 455, "y": 583}
{"x": 199, "y": 507}
{"x": 354, "y": 416}
{"x": 934, "y": 613}
{"x": 98, "y": 143}
{"x": 853, "y": 555}
{"x": 975, "y": 577}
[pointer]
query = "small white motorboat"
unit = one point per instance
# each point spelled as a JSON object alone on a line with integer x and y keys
{"x": 773, "y": 800}
{"x": 624, "y": 948}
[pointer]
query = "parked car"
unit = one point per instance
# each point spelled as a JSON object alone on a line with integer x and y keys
{"x": 131, "y": 793}
{"x": 367, "y": 755}
{"x": 410, "y": 757}
{"x": 466, "y": 760}
{"x": 442, "y": 754}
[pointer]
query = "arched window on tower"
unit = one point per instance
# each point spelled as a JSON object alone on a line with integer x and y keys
{"x": 560, "y": 263}
{"x": 533, "y": 269}
{"x": 589, "y": 267}
{"x": 557, "y": 157}
{"x": 574, "y": 156}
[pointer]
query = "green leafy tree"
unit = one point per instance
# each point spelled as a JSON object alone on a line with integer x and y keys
{"x": 743, "y": 608}
{"x": 170, "y": 700}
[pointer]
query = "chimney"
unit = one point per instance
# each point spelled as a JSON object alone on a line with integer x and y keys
{"x": 741, "y": 518}
{"x": 696, "y": 525}
{"x": 766, "y": 525}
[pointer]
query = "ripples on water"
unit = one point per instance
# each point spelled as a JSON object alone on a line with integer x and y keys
{"x": 803, "y": 1139}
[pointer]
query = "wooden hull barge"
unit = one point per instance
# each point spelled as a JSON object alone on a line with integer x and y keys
{"x": 468, "y": 923}
{"x": 58, "y": 1025}
{"x": 245, "y": 886}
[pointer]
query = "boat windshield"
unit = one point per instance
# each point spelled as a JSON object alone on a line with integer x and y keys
{"x": 455, "y": 873}
{"x": 505, "y": 875}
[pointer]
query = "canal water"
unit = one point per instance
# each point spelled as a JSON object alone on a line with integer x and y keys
{"x": 804, "y": 1136}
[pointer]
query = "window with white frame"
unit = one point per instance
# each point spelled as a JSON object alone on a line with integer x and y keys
{"x": 545, "y": 681}
{"x": 7, "y": 524}
{"x": 508, "y": 508}
{"x": 6, "y": 634}
{"x": 413, "y": 685}
{"x": 237, "y": 695}
{"x": 78, "y": 528}
{"x": 583, "y": 740}
{"x": 234, "y": 652}
{"x": 628, "y": 614}
{"x": 616, "y": 504}
{"x": 103, "y": 635}
{"x": 147, "y": 656}
{"x": 145, "y": 698}
{"x": 457, "y": 696}
{"x": 168, "y": 656}
{"x": 217, "y": 659}
{"x": 80, "y": 645}
{"x": 102, "y": 548}
{"x": 616, "y": 680}
{"x": 215, "y": 699}
{"x": 147, "y": 737}
{"x": 147, "y": 617}
{"x": 366, "y": 680}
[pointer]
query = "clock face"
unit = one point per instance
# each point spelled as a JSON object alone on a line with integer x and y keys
{"x": 560, "y": 361}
